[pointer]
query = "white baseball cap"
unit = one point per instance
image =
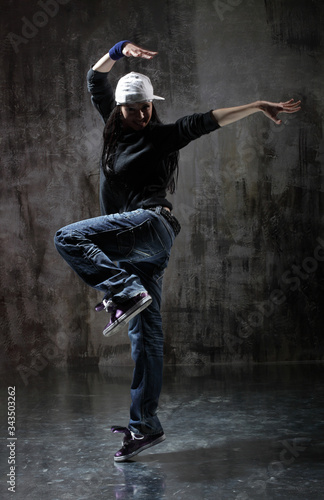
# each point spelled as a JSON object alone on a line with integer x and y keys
{"x": 135, "y": 87}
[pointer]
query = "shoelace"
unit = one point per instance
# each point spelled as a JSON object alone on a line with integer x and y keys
{"x": 136, "y": 436}
{"x": 127, "y": 432}
{"x": 109, "y": 306}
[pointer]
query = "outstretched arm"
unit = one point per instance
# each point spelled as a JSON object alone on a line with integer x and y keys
{"x": 106, "y": 62}
{"x": 271, "y": 110}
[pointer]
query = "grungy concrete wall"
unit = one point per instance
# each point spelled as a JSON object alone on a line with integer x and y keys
{"x": 245, "y": 280}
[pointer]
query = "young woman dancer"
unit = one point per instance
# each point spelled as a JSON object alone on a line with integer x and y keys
{"x": 124, "y": 252}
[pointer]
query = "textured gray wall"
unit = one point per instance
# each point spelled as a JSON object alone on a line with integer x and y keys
{"x": 245, "y": 280}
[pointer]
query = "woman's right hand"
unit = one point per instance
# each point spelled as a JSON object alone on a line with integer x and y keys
{"x": 131, "y": 49}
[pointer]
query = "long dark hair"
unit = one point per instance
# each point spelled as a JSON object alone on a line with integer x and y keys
{"x": 112, "y": 132}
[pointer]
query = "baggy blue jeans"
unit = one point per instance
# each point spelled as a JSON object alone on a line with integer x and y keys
{"x": 123, "y": 255}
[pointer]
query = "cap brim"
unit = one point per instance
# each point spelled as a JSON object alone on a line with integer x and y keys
{"x": 132, "y": 101}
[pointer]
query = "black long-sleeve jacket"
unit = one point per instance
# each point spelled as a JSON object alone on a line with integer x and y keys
{"x": 141, "y": 155}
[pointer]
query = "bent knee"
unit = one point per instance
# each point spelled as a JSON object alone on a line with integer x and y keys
{"x": 59, "y": 238}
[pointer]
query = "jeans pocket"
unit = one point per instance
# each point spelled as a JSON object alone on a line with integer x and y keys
{"x": 139, "y": 242}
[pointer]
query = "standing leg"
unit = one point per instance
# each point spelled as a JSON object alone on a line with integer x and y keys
{"x": 146, "y": 336}
{"x": 145, "y": 332}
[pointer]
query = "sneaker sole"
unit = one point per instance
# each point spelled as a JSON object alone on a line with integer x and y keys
{"x": 127, "y": 316}
{"x": 127, "y": 457}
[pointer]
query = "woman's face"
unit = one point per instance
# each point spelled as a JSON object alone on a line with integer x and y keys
{"x": 136, "y": 116}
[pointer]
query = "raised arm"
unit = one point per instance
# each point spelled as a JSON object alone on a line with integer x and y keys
{"x": 271, "y": 110}
{"x": 124, "y": 48}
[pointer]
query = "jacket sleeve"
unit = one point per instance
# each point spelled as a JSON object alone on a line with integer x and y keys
{"x": 102, "y": 95}
{"x": 176, "y": 136}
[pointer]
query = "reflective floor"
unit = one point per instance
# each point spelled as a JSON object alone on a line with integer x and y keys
{"x": 232, "y": 433}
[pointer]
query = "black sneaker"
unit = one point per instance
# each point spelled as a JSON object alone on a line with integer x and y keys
{"x": 135, "y": 443}
{"x": 124, "y": 312}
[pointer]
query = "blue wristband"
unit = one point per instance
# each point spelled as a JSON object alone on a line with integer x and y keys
{"x": 115, "y": 52}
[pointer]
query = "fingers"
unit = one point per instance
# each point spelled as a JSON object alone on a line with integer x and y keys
{"x": 288, "y": 102}
{"x": 291, "y": 102}
{"x": 291, "y": 106}
{"x": 135, "y": 51}
{"x": 145, "y": 54}
{"x": 274, "y": 118}
{"x": 271, "y": 109}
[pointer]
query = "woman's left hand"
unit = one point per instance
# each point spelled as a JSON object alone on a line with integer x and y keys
{"x": 271, "y": 110}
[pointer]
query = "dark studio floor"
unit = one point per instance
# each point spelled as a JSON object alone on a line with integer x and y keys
{"x": 232, "y": 433}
